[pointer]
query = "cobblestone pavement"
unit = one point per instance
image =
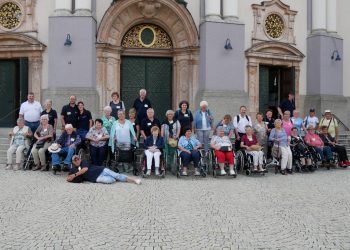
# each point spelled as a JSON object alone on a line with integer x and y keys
{"x": 303, "y": 211}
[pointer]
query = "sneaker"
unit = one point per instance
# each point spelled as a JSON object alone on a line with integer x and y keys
{"x": 157, "y": 171}
{"x": 65, "y": 168}
{"x": 310, "y": 168}
{"x": 283, "y": 172}
{"x": 184, "y": 173}
{"x": 197, "y": 173}
{"x": 232, "y": 172}
{"x": 148, "y": 172}
{"x": 343, "y": 165}
{"x": 56, "y": 167}
{"x": 222, "y": 172}
{"x": 138, "y": 181}
{"x": 8, "y": 167}
{"x": 16, "y": 167}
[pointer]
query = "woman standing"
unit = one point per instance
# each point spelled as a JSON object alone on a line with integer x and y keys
{"x": 203, "y": 122}
{"x": 135, "y": 122}
{"x": 281, "y": 144}
{"x": 52, "y": 116}
{"x": 107, "y": 118}
{"x": 170, "y": 131}
{"x": 184, "y": 116}
{"x": 44, "y": 136}
{"x": 227, "y": 125}
{"x": 298, "y": 123}
{"x": 84, "y": 121}
{"x": 116, "y": 104}
{"x": 98, "y": 137}
{"x": 260, "y": 129}
{"x": 287, "y": 123}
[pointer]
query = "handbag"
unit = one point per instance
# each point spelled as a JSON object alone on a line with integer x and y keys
{"x": 225, "y": 148}
{"x": 40, "y": 144}
{"x": 172, "y": 142}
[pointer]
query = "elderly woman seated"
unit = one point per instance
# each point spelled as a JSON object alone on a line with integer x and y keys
{"x": 154, "y": 145}
{"x": 223, "y": 150}
{"x": 249, "y": 142}
{"x": 188, "y": 146}
{"x": 98, "y": 137}
{"x": 19, "y": 141}
{"x": 301, "y": 151}
{"x": 44, "y": 135}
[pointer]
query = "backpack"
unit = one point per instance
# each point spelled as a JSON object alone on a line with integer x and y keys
{"x": 239, "y": 117}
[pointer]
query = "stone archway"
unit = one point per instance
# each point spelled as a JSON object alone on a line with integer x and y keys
{"x": 22, "y": 46}
{"x": 171, "y": 16}
{"x": 274, "y": 54}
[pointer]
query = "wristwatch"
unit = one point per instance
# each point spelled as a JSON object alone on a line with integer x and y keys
{"x": 75, "y": 175}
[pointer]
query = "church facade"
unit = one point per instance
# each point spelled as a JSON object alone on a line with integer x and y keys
{"x": 228, "y": 52}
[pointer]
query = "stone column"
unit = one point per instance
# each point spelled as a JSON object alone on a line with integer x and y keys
{"x": 82, "y": 8}
{"x": 35, "y": 76}
{"x": 230, "y": 10}
{"x": 319, "y": 15}
{"x": 63, "y": 7}
{"x": 332, "y": 16}
{"x": 213, "y": 10}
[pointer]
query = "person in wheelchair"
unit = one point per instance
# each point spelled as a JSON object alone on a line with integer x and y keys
{"x": 67, "y": 144}
{"x": 223, "y": 150}
{"x": 249, "y": 142}
{"x": 188, "y": 151}
{"x": 20, "y": 136}
{"x": 44, "y": 135}
{"x": 329, "y": 141}
{"x": 300, "y": 151}
{"x": 98, "y": 137}
{"x": 312, "y": 139}
{"x": 154, "y": 145}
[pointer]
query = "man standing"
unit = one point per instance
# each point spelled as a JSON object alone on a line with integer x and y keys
{"x": 149, "y": 122}
{"x": 69, "y": 113}
{"x": 331, "y": 123}
{"x": 30, "y": 111}
{"x": 311, "y": 119}
{"x": 239, "y": 122}
{"x": 288, "y": 104}
{"x": 82, "y": 171}
{"x": 142, "y": 104}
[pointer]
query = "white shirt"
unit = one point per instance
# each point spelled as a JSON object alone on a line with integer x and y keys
{"x": 31, "y": 111}
{"x": 122, "y": 133}
{"x": 204, "y": 121}
{"x": 243, "y": 121}
{"x": 311, "y": 121}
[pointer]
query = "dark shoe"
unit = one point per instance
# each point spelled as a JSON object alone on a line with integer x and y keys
{"x": 283, "y": 172}
{"x": 311, "y": 168}
{"x": 289, "y": 171}
{"x": 304, "y": 169}
{"x": 36, "y": 168}
{"x": 65, "y": 168}
{"x": 56, "y": 168}
{"x": 43, "y": 168}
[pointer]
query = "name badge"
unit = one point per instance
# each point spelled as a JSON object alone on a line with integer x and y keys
{"x": 186, "y": 115}
{"x": 171, "y": 122}
{"x": 99, "y": 136}
{"x": 69, "y": 113}
{"x": 45, "y": 129}
{"x": 225, "y": 126}
{"x": 267, "y": 123}
{"x": 133, "y": 123}
{"x": 313, "y": 139}
{"x": 72, "y": 139}
{"x": 149, "y": 124}
{"x": 118, "y": 107}
{"x": 146, "y": 106}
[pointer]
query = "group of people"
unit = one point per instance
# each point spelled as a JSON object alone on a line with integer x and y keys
{"x": 175, "y": 135}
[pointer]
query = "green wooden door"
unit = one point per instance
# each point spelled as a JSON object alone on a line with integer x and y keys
{"x": 263, "y": 88}
{"x": 151, "y": 73}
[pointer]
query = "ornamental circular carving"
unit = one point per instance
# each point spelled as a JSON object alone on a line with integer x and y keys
{"x": 147, "y": 36}
{"x": 274, "y": 26}
{"x": 10, "y": 15}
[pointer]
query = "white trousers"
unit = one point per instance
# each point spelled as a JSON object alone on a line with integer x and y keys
{"x": 287, "y": 158}
{"x": 19, "y": 153}
{"x": 150, "y": 155}
{"x": 258, "y": 157}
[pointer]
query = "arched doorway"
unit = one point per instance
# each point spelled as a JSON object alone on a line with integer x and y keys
{"x": 183, "y": 56}
{"x": 273, "y": 71}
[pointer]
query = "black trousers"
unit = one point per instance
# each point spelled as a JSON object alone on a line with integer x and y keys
{"x": 238, "y": 142}
{"x": 341, "y": 151}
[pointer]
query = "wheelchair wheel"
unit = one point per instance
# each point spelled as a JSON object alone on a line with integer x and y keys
{"x": 163, "y": 174}
{"x": 214, "y": 171}
{"x": 135, "y": 172}
{"x": 248, "y": 172}
{"x": 204, "y": 174}
{"x": 276, "y": 169}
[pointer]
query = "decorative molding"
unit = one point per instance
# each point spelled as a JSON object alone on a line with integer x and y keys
{"x": 273, "y": 21}
{"x": 149, "y": 8}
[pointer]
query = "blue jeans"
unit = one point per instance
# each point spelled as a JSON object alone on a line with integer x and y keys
{"x": 108, "y": 177}
{"x": 32, "y": 125}
{"x": 68, "y": 160}
{"x": 326, "y": 153}
{"x": 203, "y": 137}
{"x": 82, "y": 133}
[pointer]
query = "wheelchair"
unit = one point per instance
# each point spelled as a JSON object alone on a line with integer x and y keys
{"x": 142, "y": 169}
{"x": 123, "y": 154}
{"x": 297, "y": 164}
{"x": 202, "y": 166}
{"x": 245, "y": 163}
{"x": 216, "y": 167}
{"x": 316, "y": 157}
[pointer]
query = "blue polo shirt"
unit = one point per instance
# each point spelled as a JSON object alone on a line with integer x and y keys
{"x": 91, "y": 174}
